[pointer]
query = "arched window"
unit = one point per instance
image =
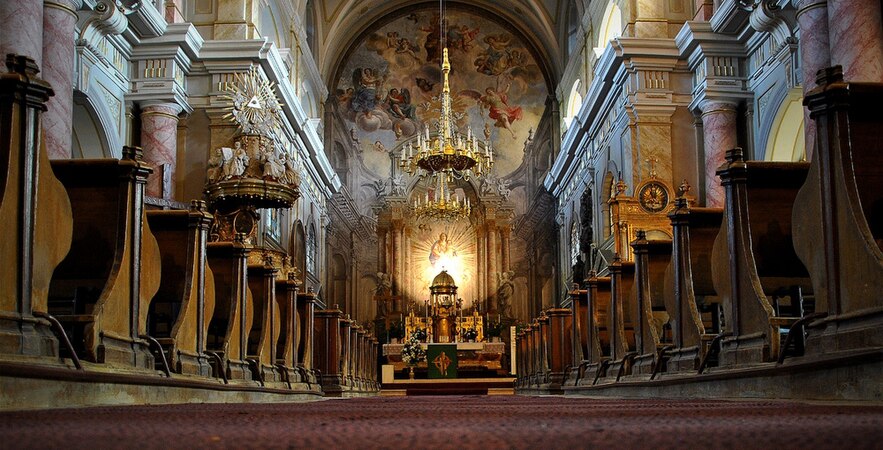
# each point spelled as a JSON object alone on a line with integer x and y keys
{"x": 786, "y": 139}
{"x": 312, "y": 250}
{"x": 574, "y": 103}
{"x": 611, "y": 27}
{"x": 573, "y": 21}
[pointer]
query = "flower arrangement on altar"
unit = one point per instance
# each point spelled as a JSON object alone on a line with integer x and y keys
{"x": 412, "y": 351}
{"x": 495, "y": 329}
{"x": 470, "y": 334}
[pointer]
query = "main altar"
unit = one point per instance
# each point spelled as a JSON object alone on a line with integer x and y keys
{"x": 445, "y": 324}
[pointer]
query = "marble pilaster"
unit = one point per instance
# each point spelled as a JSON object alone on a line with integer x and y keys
{"x": 492, "y": 268}
{"x": 719, "y": 129}
{"x": 59, "y": 22}
{"x": 159, "y": 140}
{"x": 22, "y": 29}
{"x": 855, "y": 28}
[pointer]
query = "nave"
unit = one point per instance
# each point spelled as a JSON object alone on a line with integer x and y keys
{"x": 439, "y": 422}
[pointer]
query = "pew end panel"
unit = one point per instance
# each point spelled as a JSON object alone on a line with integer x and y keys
{"x": 838, "y": 228}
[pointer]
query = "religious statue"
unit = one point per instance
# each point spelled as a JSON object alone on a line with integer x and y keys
{"x": 216, "y": 162}
{"x": 397, "y": 185}
{"x": 235, "y": 166}
{"x": 273, "y": 167}
{"x": 291, "y": 173}
{"x": 504, "y": 293}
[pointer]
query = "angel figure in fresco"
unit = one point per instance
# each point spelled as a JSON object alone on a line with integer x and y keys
{"x": 365, "y": 83}
{"x": 495, "y": 59}
{"x": 398, "y": 104}
{"x": 442, "y": 248}
{"x": 496, "y": 102}
{"x": 404, "y": 46}
{"x": 433, "y": 43}
{"x": 461, "y": 37}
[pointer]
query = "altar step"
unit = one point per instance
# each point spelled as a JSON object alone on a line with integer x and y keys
{"x": 455, "y": 386}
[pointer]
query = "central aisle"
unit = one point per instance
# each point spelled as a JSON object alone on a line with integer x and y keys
{"x": 453, "y": 422}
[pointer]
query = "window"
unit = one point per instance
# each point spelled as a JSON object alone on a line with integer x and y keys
{"x": 611, "y": 27}
{"x": 271, "y": 224}
{"x": 312, "y": 250}
{"x": 574, "y": 103}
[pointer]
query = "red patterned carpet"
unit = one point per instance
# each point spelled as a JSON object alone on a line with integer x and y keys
{"x": 454, "y": 422}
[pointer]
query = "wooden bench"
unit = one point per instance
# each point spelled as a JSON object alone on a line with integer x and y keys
{"x": 37, "y": 220}
{"x": 328, "y": 350}
{"x": 286, "y": 344}
{"x": 560, "y": 346}
{"x": 305, "y": 337}
{"x": 754, "y": 257}
{"x": 230, "y": 324}
{"x": 838, "y": 231}
{"x": 649, "y": 315}
{"x": 177, "y": 314}
{"x": 265, "y": 327}
{"x": 102, "y": 290}
{"x": 619, "y": 320}
{"x": 598, "y": 298}
{"x": 688, "y": 283}
{"x": 579, "y": 305}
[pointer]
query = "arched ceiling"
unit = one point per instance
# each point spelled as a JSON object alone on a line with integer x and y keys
{"x": 340, "y": 23}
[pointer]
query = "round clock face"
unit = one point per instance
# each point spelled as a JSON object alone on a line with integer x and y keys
{"x": 653, "y": 197}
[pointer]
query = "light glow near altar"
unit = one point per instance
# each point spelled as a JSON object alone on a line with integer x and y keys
{"x": 429, "y": 257}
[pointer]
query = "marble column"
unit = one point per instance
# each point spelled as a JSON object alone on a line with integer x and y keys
{"x": 505, "y": 232}
{"x": 492, "y": 269}
{"x": 159, "y": 140}
{"x": 398, "y": 257}
{"x": 855, "y": 28}
{"x": 719, "y": 135}
{"x": 22, "y": 30}
{"x": 173, "y": 11}
{"x": 815, "y": 54}
{"x": 59, "y": 21}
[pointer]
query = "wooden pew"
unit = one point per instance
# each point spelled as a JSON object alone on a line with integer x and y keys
{"x": 579, "y": 305}
{"x": 286, "y": 343}
{"x": 102, "y": 290}
{"x": 619, "y": 319}
{"x": 265, "y": 327}
{"x": 306, "y": 307}
{"x": 688, "y": 283}
{"x": 652, "y": 257}
{"x": 186, "y": 296}
{"x": 598, "y": 305}
{"x": 838, "y": 230}
{"x": 37, "y": 221}
{"x": 328, "y": 350}
{"x": 227, "y": 336}
{"x": 754, "y": 258}
{"x": 560, "y": 346}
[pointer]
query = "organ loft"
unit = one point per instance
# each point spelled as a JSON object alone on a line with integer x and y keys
{"x": 260, "y": 201}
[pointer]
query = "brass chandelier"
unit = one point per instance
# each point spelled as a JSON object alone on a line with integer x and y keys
{"x": 450, "y": 154}
{"x": 440, "y": 203}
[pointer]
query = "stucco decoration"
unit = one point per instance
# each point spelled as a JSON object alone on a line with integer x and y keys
{"x": 389, "y": 86}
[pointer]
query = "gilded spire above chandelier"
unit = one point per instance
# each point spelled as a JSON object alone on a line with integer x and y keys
{"x": 450, "y": 154}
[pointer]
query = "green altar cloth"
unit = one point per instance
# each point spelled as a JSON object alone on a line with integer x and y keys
{"x": 441, "y": 359}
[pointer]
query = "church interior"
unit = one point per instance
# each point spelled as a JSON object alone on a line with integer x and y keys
{"x": 221, "y": 204}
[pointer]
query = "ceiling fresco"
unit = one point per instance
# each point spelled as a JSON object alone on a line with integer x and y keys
{"x": 389, "y": 86}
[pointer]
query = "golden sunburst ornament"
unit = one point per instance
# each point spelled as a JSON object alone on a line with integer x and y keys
{"x": 253, "y": 104}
